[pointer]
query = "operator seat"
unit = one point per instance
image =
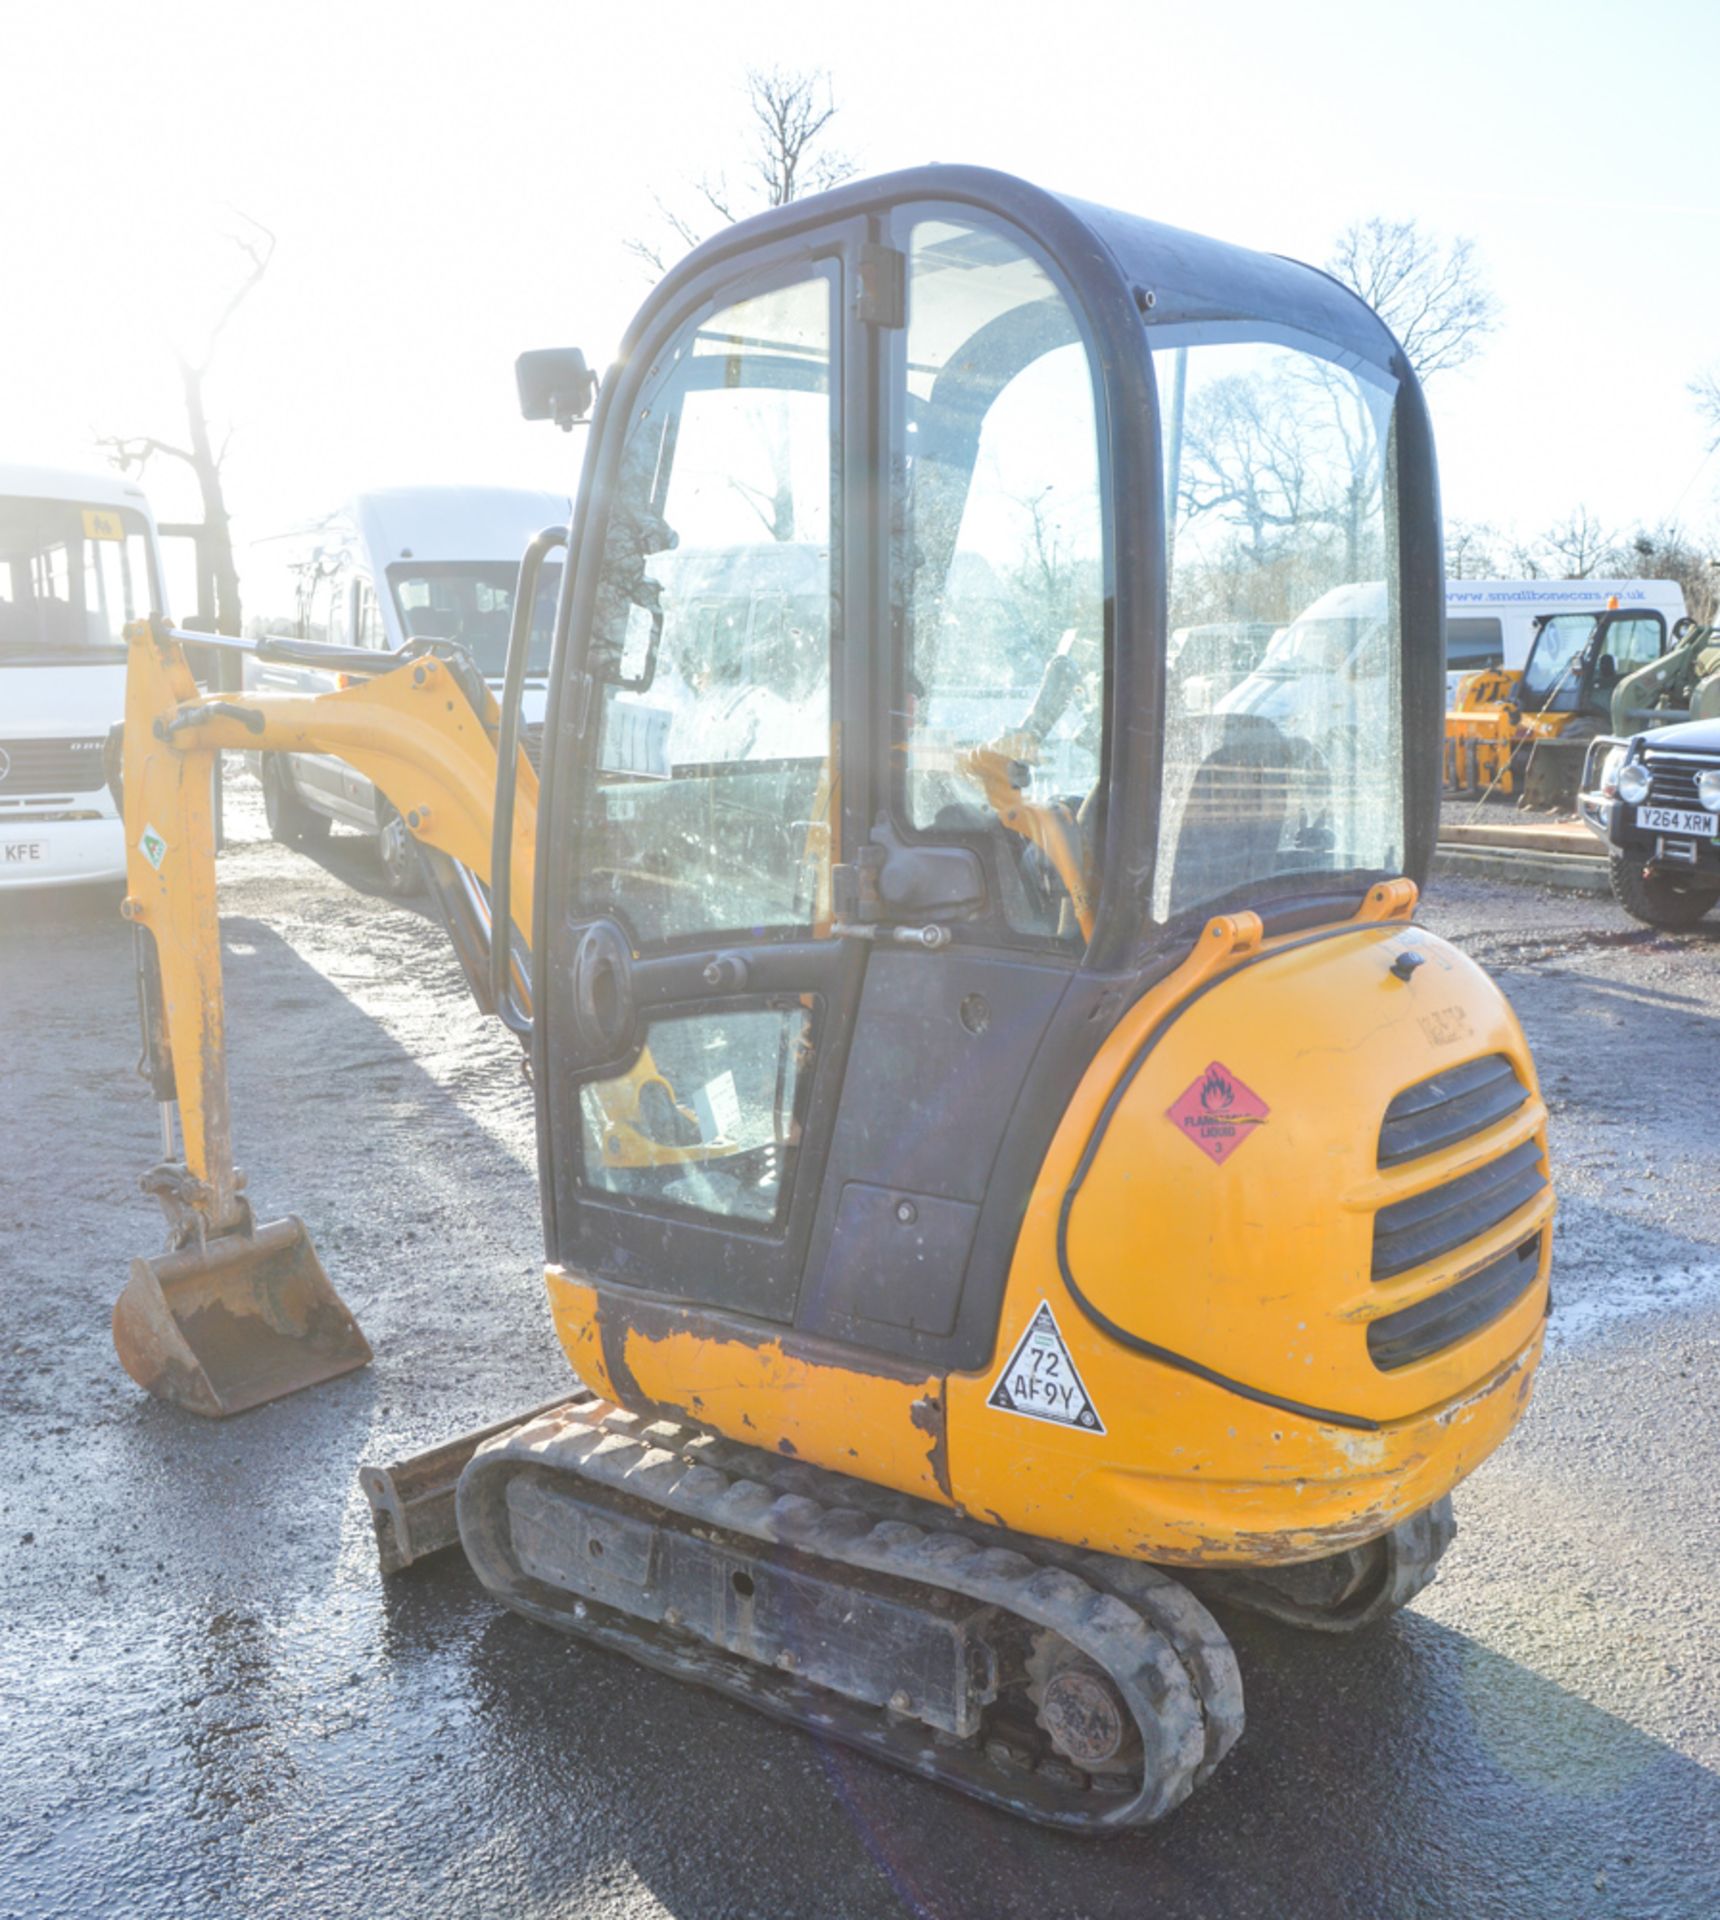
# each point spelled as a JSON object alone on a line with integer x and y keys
{"x": 1230, "y": 819}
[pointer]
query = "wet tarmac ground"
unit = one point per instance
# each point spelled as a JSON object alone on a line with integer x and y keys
{"x": 211, "y": 1704}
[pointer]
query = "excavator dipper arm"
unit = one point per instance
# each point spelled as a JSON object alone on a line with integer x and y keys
{"x": 234, "y": 1314}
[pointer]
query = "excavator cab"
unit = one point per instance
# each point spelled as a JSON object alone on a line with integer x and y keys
{"x": 1578, "y": 660}
{"x": 890, "y": 508}
{"x": 999, "y": 1125}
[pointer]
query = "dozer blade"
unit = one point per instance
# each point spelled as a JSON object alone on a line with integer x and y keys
{"x": 412, "y": 1500}
{"x": 248, "y": 1318}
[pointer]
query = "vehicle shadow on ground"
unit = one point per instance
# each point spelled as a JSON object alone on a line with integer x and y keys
{"x": 38, "y": 913}
{"x": 352, "y": 859}
{"x": 324, "y": 1098}
{"x": 1406, "y": 1773}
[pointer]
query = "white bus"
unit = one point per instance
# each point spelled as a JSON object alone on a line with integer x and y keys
{"x": 398, "y": 564}
{"x": 78, "y": 559}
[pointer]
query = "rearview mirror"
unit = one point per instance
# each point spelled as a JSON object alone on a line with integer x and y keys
{"x": 637, "y": 667}
{"x": 555, "y": 384}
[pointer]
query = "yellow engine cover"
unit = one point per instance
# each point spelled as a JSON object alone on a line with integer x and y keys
{"x": 1226, "y": 1216}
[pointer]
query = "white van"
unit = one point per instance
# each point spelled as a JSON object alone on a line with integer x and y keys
{"x": 78, "y": 559}
{"x": 1488, "y": 623}
{"x": 1327, "y": 638}
{"x": 391, "y": 566}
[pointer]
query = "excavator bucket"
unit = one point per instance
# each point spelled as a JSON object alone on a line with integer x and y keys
{"x": 243, "y": 1319}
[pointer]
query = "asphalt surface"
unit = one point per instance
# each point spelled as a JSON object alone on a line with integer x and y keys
{"x": 211, "y": 1704}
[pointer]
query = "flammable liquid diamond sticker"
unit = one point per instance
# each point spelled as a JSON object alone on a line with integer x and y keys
{"x": 1217, "y": 1112}
{"x": 1041, "y": 1382}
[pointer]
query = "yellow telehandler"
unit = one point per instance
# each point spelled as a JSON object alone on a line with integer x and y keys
{"x": 1012, "y": 1167}
{"x": 1528, "y": 732}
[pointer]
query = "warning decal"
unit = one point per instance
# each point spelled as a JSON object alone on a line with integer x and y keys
{"x": 1041, "y": 1382}
{"x": 152, "y": 847}
{"x": 1217, "y": 1112}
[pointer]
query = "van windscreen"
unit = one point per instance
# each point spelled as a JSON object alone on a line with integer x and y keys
{"x": 472, "y": 602}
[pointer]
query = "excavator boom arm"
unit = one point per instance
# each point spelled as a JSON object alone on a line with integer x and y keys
{"x": 424, "y": 732}
{"x": 411, "y": 730}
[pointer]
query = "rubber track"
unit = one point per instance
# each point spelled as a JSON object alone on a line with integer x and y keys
{"x": 1160, "y": 1646}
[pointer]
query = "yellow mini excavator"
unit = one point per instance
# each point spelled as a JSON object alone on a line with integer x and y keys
{"x": 1013, "y": 1169}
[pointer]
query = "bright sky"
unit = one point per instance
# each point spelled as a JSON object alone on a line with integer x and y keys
{"x": 450, "y": 183}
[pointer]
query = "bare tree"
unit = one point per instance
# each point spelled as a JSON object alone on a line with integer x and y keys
{"x": 217, "y": 575}
{"x": 1578, "y": 545}
{"x": 1246, "y": 458}
{"x": 789, "y": 114}
{"x": 1669, "y": 553}
{"x": 1434, "y": 297}
{"x": 1471, "y": 550}
{"x": 1705, "y": 391}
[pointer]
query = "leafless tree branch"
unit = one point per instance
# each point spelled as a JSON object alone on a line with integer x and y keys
{"x": 1705, "y": 391}
{"x": 132, "y": 453}
{"x": 218, "y": 578}
{"x": 1434, "y": 298}
{"x": 1579, "y": 544}
{"x": 789, "y": 115}
{"x": 256, "y": 244}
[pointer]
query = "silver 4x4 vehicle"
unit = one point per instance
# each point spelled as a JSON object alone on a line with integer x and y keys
{"x": 1655, "y": 800}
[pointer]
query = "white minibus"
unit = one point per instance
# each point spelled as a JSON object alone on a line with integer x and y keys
{"x": 79, "y": 557}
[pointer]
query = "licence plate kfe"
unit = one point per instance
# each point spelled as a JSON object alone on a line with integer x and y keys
{"x": 23, "y": 853}
{"x": 1703, "y": 825}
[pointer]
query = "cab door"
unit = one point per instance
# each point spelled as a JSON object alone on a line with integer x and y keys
{"x": 1627, "y": 640}
{"x": 697, "y": 996}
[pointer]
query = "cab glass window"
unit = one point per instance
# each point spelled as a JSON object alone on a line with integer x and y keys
{"x": 1000, "y": 715}
{"x": 1279, "y": 516}
{"x": 708, "y": 804}
{"x": 1633, "y": 643}
{"x": 709, "y": 1117}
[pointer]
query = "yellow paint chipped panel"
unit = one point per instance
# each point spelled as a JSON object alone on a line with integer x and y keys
{"x": 766, "y": 1393}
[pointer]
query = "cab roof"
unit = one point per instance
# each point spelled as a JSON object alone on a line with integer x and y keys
{"x": 1182, "y": 285}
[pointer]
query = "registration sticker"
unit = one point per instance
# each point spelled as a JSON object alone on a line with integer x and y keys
{"x": 1040, "y": 1381}
{"x": 100, "y": 524}
{"x": 152, "y": 847}
{"x": 718, "y": 1106}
